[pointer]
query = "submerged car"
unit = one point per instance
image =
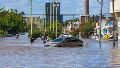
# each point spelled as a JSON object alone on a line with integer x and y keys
{"x": 65, "y": 42}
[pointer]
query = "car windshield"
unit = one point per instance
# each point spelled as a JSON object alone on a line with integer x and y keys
{"x": 57, "y": 40}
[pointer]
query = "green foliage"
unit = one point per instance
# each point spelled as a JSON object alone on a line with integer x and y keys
{"x": 2, "y": 33}
{"x": 11, "y": 21}
{"x": 74, "y": 32}
{"x": 87, "y": 29}
{"x": 35, "y": 34}
{"x": 51, "y": 33}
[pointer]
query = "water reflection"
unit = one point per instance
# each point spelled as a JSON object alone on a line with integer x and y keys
{"x": 18, "y": 53}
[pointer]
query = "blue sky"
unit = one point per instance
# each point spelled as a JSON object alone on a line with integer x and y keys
{"x": 67, "y": 6}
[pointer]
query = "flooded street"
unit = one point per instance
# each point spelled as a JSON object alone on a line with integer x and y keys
{"x": 20, "y": 53}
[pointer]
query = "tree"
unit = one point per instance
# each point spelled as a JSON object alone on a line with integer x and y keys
{"x": 87, "y": 29}
{"x": 74, "y": 32}
{"x": 11, "y": 21}
{"x": 52, "y": 34}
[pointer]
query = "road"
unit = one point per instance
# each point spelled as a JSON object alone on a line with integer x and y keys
{"x": 20, "y": 53}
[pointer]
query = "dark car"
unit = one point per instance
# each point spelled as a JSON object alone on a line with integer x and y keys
{"x": 66, "y": 42}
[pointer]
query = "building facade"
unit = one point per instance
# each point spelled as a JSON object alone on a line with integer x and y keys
{"x": 36, "y": 22}
{"x": 52, "y": 10}
{"x": 117, "y": 14}
{"x": 106, "y": 27}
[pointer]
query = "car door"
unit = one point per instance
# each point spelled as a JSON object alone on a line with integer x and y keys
{"x": 71, "y": 42}
{"x": 66, "y": 42}
{"x": 74, "y": 42}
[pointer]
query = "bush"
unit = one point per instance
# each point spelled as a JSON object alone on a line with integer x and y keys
{"x": 74, "y": 32}
{"x": 87, "y": 29}
{"x": 35, "y": 34}
{"x": 52, "y": 34}
{"x": 2, "y": 33}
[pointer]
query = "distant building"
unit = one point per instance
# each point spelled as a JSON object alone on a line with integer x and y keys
{"x": 36, "y": 22}
{"x": 71, "y": 26}
{"x": 106, "y": 27}
{"x": 50, "y": 14}
{"x": 117, "y": 15}
{"x": 83, "y": 18}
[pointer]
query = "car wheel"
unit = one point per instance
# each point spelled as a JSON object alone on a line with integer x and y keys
{"x": 59, "y": 46}
{"x": 81, "y": 45}
{"x": 47, "y": 45}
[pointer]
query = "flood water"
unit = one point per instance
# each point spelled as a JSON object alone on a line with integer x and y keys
{"x": 20, "y": 53}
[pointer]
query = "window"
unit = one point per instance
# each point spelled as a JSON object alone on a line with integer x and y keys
{"x": 67, "y": 40}
{"x": 74, "y": 39}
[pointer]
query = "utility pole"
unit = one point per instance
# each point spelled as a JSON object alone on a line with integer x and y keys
{"x": 31, "y": 37}
{"x": 45, "y": 21}
{"x": 50, "y": 14}
{"x": 56, "y": 17}
{"x": 31, "y": 16}
{"x": 53, "y": 13}
{"x": 113, "y": 24}
{"x": 73, "y": 21}
{"x": 101, "y": 3}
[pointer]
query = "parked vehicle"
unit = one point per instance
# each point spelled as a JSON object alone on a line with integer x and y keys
{"x": 111, "y": 38}
{"x": 65, "y": 42}
{"x": 22, "y": 33}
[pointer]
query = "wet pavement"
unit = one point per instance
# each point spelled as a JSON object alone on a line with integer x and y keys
{"x": 20, "y": 53}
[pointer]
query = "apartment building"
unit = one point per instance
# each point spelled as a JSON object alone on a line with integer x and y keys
{"x": 117, "y": 14}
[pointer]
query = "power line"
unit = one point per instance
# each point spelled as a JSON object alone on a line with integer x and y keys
{"x": 60, "y": 14}
{"x": 99, "y": 1}
{"x": 103, "y": 5}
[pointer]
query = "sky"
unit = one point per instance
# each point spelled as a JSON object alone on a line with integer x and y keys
{"x": 67, "y": 6}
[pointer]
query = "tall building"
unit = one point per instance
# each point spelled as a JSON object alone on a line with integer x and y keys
{"x": 51, "y": 9}
{"x": 86, "y": 7}
{"x": 117, "y": 15}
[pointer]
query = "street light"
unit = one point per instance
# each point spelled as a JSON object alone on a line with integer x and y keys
{"x": 56, "y": 16}
{"x": 50, "y": 14}
{"x": 31, "y": 38}
{"x": 44, "y": 19}
{"x": 53, "y": 13}
{"x": 101, "y": 3}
